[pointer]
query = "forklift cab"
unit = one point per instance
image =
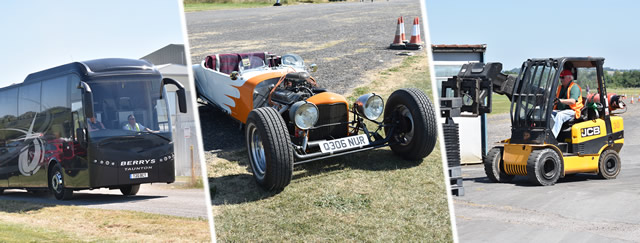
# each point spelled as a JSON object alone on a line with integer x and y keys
{"x": 535, "y": 91}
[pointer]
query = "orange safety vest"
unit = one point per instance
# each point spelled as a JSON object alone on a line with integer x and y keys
{"x": 577, "y": 107}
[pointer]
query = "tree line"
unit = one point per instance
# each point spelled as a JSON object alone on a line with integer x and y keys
{"x": 614, "y": 78}
{"x": 625, "y": 79}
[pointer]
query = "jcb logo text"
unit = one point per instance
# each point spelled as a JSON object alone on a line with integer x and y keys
{"x": 590, "y": 131}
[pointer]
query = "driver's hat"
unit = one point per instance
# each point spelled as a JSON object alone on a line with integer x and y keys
{"x": 566, "y": 72}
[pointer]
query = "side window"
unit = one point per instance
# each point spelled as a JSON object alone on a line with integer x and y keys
{"x": 8, "y": 116}
{"x": 29, "y": 108}
{"x": 77, "y": 113}
{"x": 55, "y": 104}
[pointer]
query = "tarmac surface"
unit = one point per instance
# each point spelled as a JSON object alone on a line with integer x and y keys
{"x": 347, "y": 40}
{"x": 580, "y": 208}
{"x": 152, "y": 198}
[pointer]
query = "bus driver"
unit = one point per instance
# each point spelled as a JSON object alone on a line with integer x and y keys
{"x": 132, "y": 125}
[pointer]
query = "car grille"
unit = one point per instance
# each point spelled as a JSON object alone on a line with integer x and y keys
{"x": 328, "y": 114}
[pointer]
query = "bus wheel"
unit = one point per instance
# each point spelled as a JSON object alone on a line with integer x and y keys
{"x": 544, "y": 167}
{"x": 493, "y": 166}
{"x": 269, "y": 147}
{"x": 56, "y": 184}
{"x": 609, "y": 164}
{"x": 130, "y": 190}
{"x": 417, "y": 127}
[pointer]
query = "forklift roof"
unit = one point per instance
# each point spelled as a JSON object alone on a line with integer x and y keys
{"x": 576, "y": 61}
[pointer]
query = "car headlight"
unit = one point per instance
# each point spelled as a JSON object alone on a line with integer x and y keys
{"x": 304, "y": 114}
{"x": 370, "y": 106}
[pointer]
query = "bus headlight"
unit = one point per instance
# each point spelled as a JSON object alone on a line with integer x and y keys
{"x": 369, "y": 105}
{"x": 304, "y": 114}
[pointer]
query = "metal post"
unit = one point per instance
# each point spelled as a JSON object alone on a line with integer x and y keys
{"x": 483, "y": 131}
{"x": 193, "y": 173}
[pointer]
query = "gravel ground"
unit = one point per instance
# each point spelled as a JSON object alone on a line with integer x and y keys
{"x": 347, "y": 40}
{"x": 581, "y": 208}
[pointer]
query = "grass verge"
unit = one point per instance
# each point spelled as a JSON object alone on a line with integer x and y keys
{"x": 31, "y": 222}
{"x": 369, "y": 196}
{"x": 194, "y": 7}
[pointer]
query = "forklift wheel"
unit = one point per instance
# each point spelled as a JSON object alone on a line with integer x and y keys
{"x": 609, "y": 164}
{"x": 493, "y": 166}
{"x": 544, "y": 167}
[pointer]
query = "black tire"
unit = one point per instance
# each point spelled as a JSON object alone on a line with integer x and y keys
{"x": 493, "y": 165}
{"x": 544, "y": 167}
{"x": 416, "y": 127}
{"x": 130, "y": 190}
{"x": 609, "y": 164}
{"x": 57, "y": 186}
{"x": 269, "y": 148}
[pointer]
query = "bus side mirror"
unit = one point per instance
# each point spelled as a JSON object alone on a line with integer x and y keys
{"x": 182, "y": 101}
{"x": 87, "y": 99}
{"x": 80, "y": 135}
{"x": 182, "y": 97}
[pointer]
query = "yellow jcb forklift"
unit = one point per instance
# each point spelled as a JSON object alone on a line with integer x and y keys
{"x": 587, "y": 144}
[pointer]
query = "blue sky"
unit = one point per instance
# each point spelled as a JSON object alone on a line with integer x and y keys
{"x": 517, "y": 30}
{"x": 37, "y": 35}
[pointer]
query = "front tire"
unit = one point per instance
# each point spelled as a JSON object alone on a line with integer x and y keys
{"x": 130, "y": 190}
{"x": 493, "y": 165}
{"x": 56, "y": 184}
{"x": 609, "y": 164}
{"x": 544, "y": 167}
{"x": 415, "y": 129}
{"x": 269, "y": 147}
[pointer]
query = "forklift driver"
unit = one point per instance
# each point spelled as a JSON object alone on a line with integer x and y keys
{"x": 568, "y": 101}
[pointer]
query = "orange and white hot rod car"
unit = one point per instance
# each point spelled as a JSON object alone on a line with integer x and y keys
{"x": 289, "y": 120}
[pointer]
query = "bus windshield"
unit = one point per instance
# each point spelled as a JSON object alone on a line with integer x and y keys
{"x": 125, "y": 107}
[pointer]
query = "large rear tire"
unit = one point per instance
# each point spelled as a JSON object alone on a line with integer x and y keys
{"x": 609, "y": 164}
{"x": 56, "y": 184}
{"x": 269, "y": 147}
{"x": 130, "y": 190}
{"x": 416, "y": 128}
{"x": 493, "y": 165}
{"x": 544, "y": 167}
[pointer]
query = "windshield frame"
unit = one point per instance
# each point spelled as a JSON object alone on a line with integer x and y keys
{"x": 537, "y": 82}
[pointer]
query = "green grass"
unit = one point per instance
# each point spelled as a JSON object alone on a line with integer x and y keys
{"x": 34, "y": 222}
{"x": 628, "y": 91}
{"x": 368, "y": 196}
{"x": 188, "y": 182}
{"x": 10, "y": 232}
{"x": 500, "y": 104}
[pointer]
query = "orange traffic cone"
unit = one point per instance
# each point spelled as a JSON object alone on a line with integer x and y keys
{"x": 631, "y": 99}
{"x": 399, "y": 41}
{"x": 415, "y": 43}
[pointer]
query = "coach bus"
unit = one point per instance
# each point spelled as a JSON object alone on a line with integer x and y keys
{"x": 86, "y": 125}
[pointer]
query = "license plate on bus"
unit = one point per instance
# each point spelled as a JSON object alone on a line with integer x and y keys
{"x": 138, "y": 175}
{"x": 344, "y": 143}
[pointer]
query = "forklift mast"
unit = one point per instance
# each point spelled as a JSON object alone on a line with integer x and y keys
{"x": 472, "y": 88}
